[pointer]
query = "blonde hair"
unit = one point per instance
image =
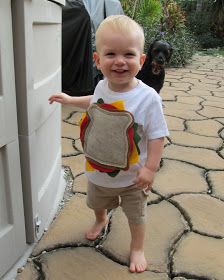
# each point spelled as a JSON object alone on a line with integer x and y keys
{"x": 123, "y": 24}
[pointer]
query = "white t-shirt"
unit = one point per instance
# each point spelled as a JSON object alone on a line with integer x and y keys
{"x": 145, "y": 104}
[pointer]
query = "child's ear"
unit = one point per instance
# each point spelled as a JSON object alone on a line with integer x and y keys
{"x": 97, "y": 60}
{"x": 142, "y": 59}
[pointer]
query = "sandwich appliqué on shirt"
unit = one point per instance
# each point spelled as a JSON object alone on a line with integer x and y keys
{"x": 109, "y": 138}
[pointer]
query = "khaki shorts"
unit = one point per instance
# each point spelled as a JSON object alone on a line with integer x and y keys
{"x": 132, "y": 200}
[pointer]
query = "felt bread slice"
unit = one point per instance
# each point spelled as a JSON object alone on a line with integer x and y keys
{"x": 106, "y": 139}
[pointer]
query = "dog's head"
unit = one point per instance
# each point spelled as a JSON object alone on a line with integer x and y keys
{"x": 159, "y": 54}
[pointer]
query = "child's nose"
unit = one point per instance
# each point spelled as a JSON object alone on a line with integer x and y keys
{"x": 119, "y": 60}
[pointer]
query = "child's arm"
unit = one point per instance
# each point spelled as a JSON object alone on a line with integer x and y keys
{"x": 63, "y": 98}
{"x": 145, "y": 175}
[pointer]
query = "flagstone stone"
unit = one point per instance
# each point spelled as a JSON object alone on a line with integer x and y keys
{"x": 78, "y": 145}
{"x": 210, "y": 81}
{"x": 200, "y": 157}
{"x": 166, "y": 141}
{"x": 193, "y": 76}
{"x": 200, "y": 70}
{"x": 200, "y": 92}
{"x": 69, "y": 227}
{"x": 214, "y": 76}
{"x": 208, "y": 85}
{"x": 205, "y": 212}
{"x": 67, "y": 147}
{"x": 221, "y": 133}
{"x": 85, "y": 264}
{"x": 76, "y": 163}
{"x": 180, "y": 85}
{"x": 189, "y": 99}
{"x": 181, "y": 106}
{"x": 153, "y": 198}
{"x": 199, "y": 256}
{"x": 186, "y": 114}
{"x": 28, "y": 273}
{"x": 193, "y": 140}
{"x": 160, "y": 235}
{"x": 191, "y": 80}
{"x": 204, "y": 127}
{"x": 219, "y": 93}
{"x": 166, "y": 85}
{"x": 168, "y": 96}
{"x": 168, "y": 90}
{"x": 219, "y": 90}
{"x": 215, "y": 99}
{"x": 80, "y": 183}
{"x": 173, "y": 79}
{"x": 181, "y": 71}
{"x": 174, "y": 123}
{"x": 170, "y": 75}
{"x": 178, "y": 177}
{"x": 216, "y": 179}
{"x": 185, "y": 111}
{"x": 216, "y": 104}
{"x": 74, "y": 118}
{"x": 212, "y": 112}
{"x": 70, "y": 131}
{"x": 221, "y": 152}
{"x": 66, "y": 111}
{"x": 221, "y": 120}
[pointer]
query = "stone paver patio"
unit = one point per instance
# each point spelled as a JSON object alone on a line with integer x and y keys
{"x": 185, "y": 229}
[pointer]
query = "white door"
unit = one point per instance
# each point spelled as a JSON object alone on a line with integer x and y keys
{"x": 37, "y": 51}
{"x": 12, "y": 228}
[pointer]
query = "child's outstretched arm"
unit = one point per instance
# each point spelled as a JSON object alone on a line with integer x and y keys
{"x": 63, "y": 98}
{"x": 145, "y": 175}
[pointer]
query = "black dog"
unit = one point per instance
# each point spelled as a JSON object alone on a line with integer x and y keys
{"x": 153, "y": 72}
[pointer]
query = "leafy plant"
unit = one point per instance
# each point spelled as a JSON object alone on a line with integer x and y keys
{"x": 184, "y": 46}
{"x": 206, "y": 22}
{"x": 174, "y": 31}
{"x": 163, "y": 19}
{"x": 128, "y": 6}
{"x": 149, "y": 11}
{"x": 173, "y": 16}
{"x": 218, "y": 17}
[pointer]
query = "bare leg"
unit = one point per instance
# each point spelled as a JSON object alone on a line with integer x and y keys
{"x": 101, "y": 221}
{"x": 137, "y": 257}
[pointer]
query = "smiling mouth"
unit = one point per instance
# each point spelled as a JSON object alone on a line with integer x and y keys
{"x": 120, "y": 71}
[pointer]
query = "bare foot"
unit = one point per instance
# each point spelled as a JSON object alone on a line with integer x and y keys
{"x": 96, "y": 229}
{"x": 137, "y": 261}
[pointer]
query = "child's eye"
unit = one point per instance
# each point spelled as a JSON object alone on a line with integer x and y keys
{"x": 130, "y": 54}
{"x": 109, "y": 54}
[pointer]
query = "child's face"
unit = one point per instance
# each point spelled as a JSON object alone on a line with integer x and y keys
{"x": 119, "y": 58}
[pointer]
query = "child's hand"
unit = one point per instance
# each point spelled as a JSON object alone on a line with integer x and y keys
{"x": 62, "y": 98}
{"x": 144, "y": 178}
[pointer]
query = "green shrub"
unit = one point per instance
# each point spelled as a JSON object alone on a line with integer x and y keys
{"x": 207, "y": 23}
{"x": 184, "y": 46}
{"x": 217, "y": 11}
{"x": 148, "y": 12}
{"x": 202, "y": 27}
{"x": 199, "y": 22}
{"x": 183, "y": 43}
{"x": 127, "y": 6}
{"x": 207, "y": 41}
{"x": 164, "y": 20}
{"x": 173, "y": 17}
{"x": 174, "y": 31}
